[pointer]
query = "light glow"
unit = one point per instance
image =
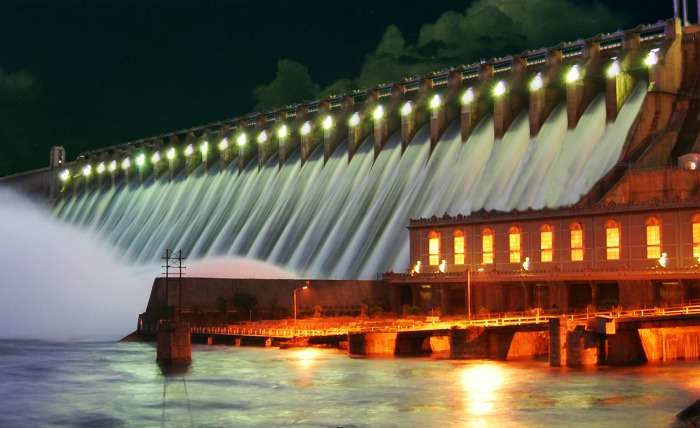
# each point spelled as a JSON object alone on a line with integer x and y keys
{"x": 242, "y": 140}
{"x": 305, "y": 128}
{"x": 354, "y": 120}
{"x": 327, "y": 123}
{"x": 223, "y": 144}
{"x": 468, "y": 96}
{"x": 574, "y": 74}
{"x": 189, "y": 150}
{"x": 112, "y": 166}
{"x": 101, "y": 168}
{"x": 613, "y": 69}
{"x": 536, "y": 83}
{"x": 652, "y": 58}
{"x": 406, "y": 108}
{"x": 500, "y": 88}
{"x": 282, "y": 132}
{"x": 64, "y": 175}
{"x": 140, "y": 160}
{"x": 155, "y": 158}
{"x": 170, "y": 154}
{"x": 262, "y": 137}
{"x": 204, "y": 148}
{"x": 481, "y": 384}
{"x": 378, "y": 112}
{"x": 87, "y": 170}
{"x": 126, "y": 164}
{"x": 435, "y": 102}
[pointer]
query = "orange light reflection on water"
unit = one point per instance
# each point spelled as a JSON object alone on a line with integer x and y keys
{"x": 481, "y": 384}
{"x": 307, "y": 357}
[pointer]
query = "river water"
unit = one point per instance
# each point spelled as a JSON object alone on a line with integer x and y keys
{"x": 110, "y": 384}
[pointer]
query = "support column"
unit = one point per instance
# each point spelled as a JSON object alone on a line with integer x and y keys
{"x": 594, "y": 295}
{"x": 507, "y": 105}
{"x": 408, "y": 128}
{"x": 543, "y": 100}
{"x": 437, "y": 125}
{"x": 380, "y": 133}
{"x": 619, "y": 81}
{"x": 444, "y": 300}
{"x": 580, "y": 93}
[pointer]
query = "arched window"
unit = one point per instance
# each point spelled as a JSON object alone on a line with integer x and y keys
{"x": 696, "y": 237}
{"x": 576, "y": 231}
{"x": 514, "y": 248}
{"x": 433, "y": 248}
{"x": 612, "y": 240}
{"x": 487, "y": 246}
{"x": 653, "y": 238}
{"x": 458, "y": 238}
{"x": 546, "y": 243}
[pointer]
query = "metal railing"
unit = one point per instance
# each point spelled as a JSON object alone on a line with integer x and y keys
{"x": 402, "y": 325}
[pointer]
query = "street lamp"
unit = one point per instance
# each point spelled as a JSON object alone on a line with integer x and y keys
{"x": 294, "y": 300}
{"x": 469, "y": 290}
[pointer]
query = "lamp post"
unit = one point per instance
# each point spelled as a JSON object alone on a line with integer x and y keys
{"x": 294, "y": 300}
{"x": 469, "y": 290}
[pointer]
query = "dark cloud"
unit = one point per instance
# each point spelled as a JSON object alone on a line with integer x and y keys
{"x": 487, "y": 28}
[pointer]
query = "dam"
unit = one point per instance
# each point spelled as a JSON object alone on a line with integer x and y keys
{"x": 326, "y": 189}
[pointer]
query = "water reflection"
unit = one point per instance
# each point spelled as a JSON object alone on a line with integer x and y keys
{"x": 481, "y": 384}
{"x": 87, "y": 384}
{"x": 307, "y": 357}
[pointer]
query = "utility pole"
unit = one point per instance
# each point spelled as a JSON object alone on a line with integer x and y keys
{"x": 179, "y": 282}
{"x": 167, "y": 276}
{"x": 173, "y": 261}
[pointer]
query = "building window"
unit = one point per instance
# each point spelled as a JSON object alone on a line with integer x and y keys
{"x": 612, "y": 240}
{"x": 514, "y": 248}
{"x": 653, "y": 238}
{"x": 487, "y": 246}
{"x": 696, "y": 237}
{"x": 576, "y": 242}
{"x": 458, "y": 238}
{"x": 546, "y": 241}
{"x": 433, "y": 248}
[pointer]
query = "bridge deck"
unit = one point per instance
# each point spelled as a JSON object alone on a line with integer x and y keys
{"x": 620, "y": 316}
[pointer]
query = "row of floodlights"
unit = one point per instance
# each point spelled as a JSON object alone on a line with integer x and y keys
{"x": 572, "y": 75}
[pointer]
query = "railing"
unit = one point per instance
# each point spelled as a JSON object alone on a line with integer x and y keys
{"x": 269, "y": 332}
{"x": 399, "y": 326}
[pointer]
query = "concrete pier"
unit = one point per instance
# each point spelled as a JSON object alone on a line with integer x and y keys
{"x": 372, "y": 344}
{"x": 174, "y": 343}
{"x": 500, "y": 343}
{"x": 572, "y": 345}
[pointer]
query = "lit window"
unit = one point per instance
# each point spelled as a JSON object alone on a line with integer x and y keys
{"x": 433, "y": 249}
{"x": 653, "y": 238}
{"x": 696, "y": 237}
{"x": 487, "y": 246}
{"x": 576, "y": 242}
{"x": 459, "y": 247}
{"x": 546, "y": 243}
{"x": 612, "y": 240}
{"x": 514, "y": 245}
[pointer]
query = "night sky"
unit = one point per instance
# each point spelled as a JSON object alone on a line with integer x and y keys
{"x": 92, "y": 73}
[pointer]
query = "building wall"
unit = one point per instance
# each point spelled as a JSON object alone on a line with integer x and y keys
{"x": 676, "y": 241}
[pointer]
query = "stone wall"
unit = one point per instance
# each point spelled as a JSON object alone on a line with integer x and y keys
{"x": 203, "y": 294}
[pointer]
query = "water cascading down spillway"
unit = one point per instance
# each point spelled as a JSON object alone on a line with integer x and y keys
{"x": 347, "y": 219}
{"x": 341, "y": 210}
